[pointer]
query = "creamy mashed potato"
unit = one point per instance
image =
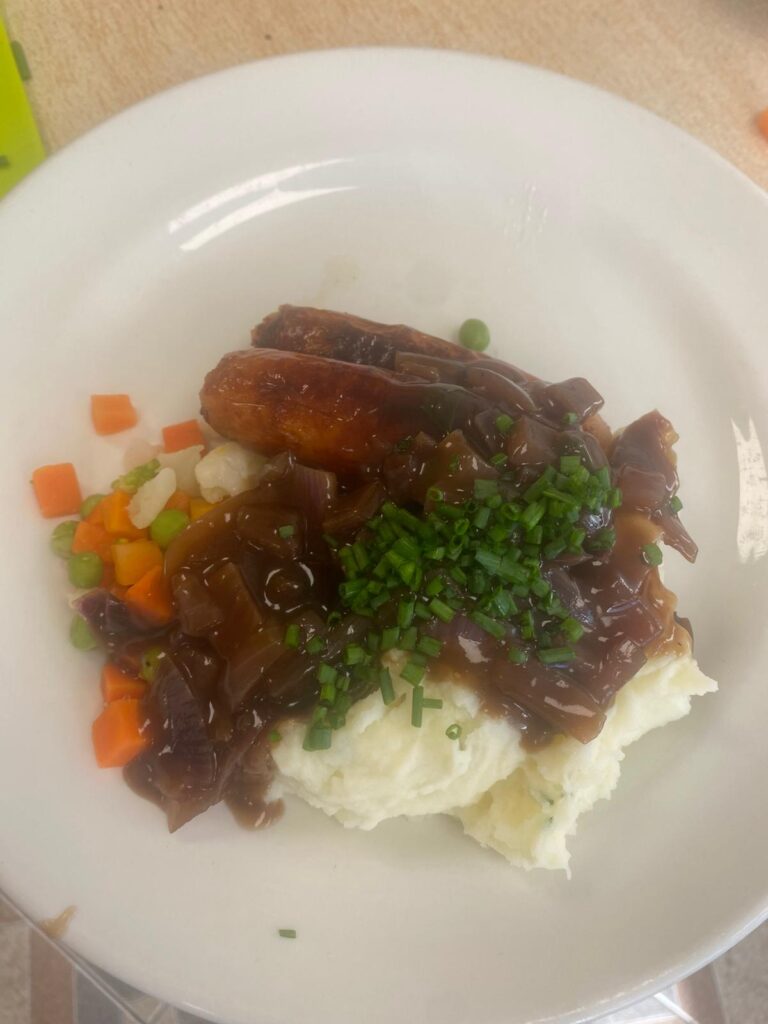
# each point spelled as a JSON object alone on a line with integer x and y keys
{"x": 524, "y": 805}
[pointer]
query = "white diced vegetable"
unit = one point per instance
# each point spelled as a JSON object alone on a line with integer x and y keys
{"x": 228, "y": 470}
{"x": 184, "y": 463}
{"x": 151, "y": 498}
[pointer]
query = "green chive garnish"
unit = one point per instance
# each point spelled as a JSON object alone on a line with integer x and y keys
{"x": 286, "y": 531}
{"x": 315, "y": 645}
{"x": 555, "y": 655}
{"x": 386, "y": 687}
{"x": 441, "y": 610}
{"x": 429, "y": 646}
{"x": 431, "y": 702}
{"x": 504, "y": 423}
{"x": 652, "y": 554}
{"x": 413, "y": 673}
{"x": 292, "y": 636}
{"x": 675, "y": 504}
{"x": 274, "y": 736}
{"x": 417, "y": 705}
{"x": 326, "y": 674}
{"x": 287, "y": 933}
{"x": 453, "y": 731}
{"x": 354, "y": 654}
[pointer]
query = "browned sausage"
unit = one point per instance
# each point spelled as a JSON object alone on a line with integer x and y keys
{"x": 332, "y": 414}
{"x": 350, "y": 339}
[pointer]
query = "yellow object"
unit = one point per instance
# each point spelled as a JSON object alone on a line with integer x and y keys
{"x": 21, "y": 148}
{"x": 134, "y": 559}
{"x": 198, "y": 507}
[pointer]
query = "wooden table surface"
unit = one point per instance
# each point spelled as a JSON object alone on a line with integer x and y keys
{"x": 700, "y": 63}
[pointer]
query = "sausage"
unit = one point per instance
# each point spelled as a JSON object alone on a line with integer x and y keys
{"x": 336, "y": 415}
{"x": 350, "y": 339}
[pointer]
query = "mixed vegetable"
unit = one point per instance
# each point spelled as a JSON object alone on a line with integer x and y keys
{"x": 116, "y": 545}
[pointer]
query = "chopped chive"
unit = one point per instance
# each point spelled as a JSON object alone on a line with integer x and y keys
{"x": 327, "y": 693}
{"x": 485, "y": 489}
{"x": 554, "y": 548}
{"x": 614, "y": 498}
{"x": 434, "y": 587}
{"x": 504, "y": 423}
{"x": 413, "y": 673}
{"x": 435, "y": 494}
{"x": 421, "y": 611}
{"x": 431, "y": 702}
{"x": 373, "y": 641}
{"x": 604, "y": 539}
{"x": 354, "y": 654}
{"x": 532, "y": 514}
{"x": 453, "y": 731}
{"x": 315, "y": 645}
{"x": 576, "y": 538}
{"x": 517, "y": 655}
{"x": 408, "y": 639}
{"x": 389, "y": 638}
{"x": 286, "y": 531}
{"x": 675, "y": 504}
{"x": 429, "y": 645}
{"x": 274, "y": 736}
{"x": 569, "y": 463}
{"x": 499, "y": 459}
{"x": 555, "y": 655}
{"x": 481, "y": 518}
{"x": 286, "y": 933}
{"x": 405, "y": 612}
{"x": 488, "y": 624}
{"x": 417, "y": 705}
{"x": 570, "y": 419}
{"x": 318, "y": 737}
{"x": 572, "y": 628}
{"x": 441, "y": 610}
{"x": 386, "y": 687}
{"x": 652, "y": 554}
{"x": 326, "y": 674}
{"x": 292, "y": 636}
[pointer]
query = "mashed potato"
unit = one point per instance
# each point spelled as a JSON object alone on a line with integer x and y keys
{"x": 524, "y": 805}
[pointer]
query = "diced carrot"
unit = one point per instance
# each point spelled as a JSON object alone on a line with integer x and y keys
{"x": 114, "y": 509}
{"x": 182, "y": 435}
{"x": 179, "y": 500}
{"x": 117, "y": 685}
{"x": 96, "y": 516}
{"x": 151, "y": 597}
{"x": 89, "y": 537}
{"x": 134, "y": 559}
{"x": 119, "y": 733}
{"x": 112, "y": 413}
{"x": 198, "y": 507}
{"x": 762, "y": 122}
{"x": 57, "y": 490}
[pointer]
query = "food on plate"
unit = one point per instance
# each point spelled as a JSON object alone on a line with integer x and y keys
{"x": 409, "y": 579}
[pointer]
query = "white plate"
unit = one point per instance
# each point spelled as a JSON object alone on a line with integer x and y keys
{"x": 422, "y": 187}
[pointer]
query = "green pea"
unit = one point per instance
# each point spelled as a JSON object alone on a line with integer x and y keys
{"x": 62, "y": 537}
{"x": 81, "y": 635}
{"x": 167, "y": 525}
{"x": 90, "y": 504}
{"x": 474, "y": 334}
{"x": 85, "y": 570}
{"x": 150, "y": 662}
